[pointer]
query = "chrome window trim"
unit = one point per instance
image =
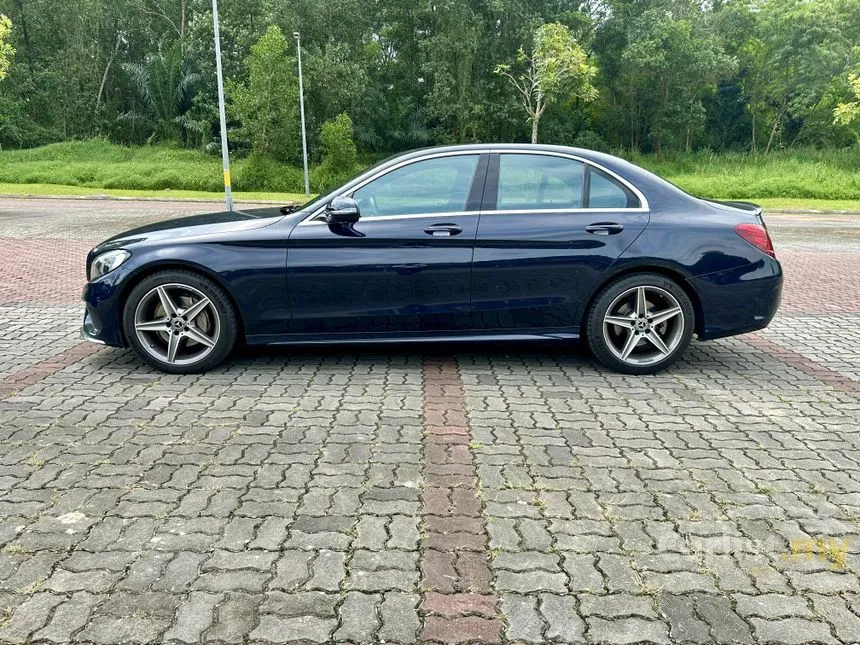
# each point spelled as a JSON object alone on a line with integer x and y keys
{"x": 382, "y": 218}
{"x": 349, "y": 190}
{"x": 528, "y": 211}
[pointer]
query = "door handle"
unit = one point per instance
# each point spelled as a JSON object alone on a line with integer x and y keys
{"x": 443, "y": 230}
{"x": 604, "y": 228}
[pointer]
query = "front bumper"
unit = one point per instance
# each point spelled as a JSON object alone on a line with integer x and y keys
{"x": 91, "y": 329}
{"x": 739, "y": 300}
{"x": 102, "y": 318}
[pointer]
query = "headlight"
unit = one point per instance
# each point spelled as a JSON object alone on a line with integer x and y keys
{"x": 107, "y": 262}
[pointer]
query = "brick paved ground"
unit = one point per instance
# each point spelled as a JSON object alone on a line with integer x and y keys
{"x": 505, "y": 493}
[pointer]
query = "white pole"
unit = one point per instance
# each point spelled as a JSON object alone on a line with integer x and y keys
{"x": 298, "y": 38}
{"x": 225, "y": 154}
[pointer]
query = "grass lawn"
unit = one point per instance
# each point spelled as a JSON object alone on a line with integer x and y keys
{"x": 59, "y": 190}
{"x": 777, "y": 203}
{"x": 794, "y": 179}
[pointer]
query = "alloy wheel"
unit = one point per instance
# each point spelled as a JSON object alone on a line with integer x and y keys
{"x": 643, "y": 325}
{"x": 177, "y": 324}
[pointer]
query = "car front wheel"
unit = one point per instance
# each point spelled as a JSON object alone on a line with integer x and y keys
{"x": 640, "y": 324}
{"x": 180, "y": 322}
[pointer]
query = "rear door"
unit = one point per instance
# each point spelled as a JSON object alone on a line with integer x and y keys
{"x": 550, "y": 226}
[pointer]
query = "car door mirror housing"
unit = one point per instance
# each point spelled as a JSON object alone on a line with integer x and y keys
{"x": 342, "y": 210}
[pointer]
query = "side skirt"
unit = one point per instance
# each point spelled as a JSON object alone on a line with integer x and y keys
{"x": 438, "y": 337}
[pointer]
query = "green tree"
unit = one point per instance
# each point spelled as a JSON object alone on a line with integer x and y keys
{"x": 789, "y": 58}
{"x": 557, "y": 69}
{"x": 6, "y": 49}
{"x": 849, "y": 111}
{"x": 165, "y": 86}
{"x": 338, "y": 146}
{"x": 668, "y": 63}
{"x": 267, "y": 105}
{"x": 339, "y": 153}
{"x": 450, "y": 54}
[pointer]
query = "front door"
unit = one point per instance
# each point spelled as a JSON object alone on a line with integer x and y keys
{"x": 550, "y": 226}
{"x": 404, "y": 266}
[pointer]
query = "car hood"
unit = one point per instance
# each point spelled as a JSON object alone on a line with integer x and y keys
{"x": 194, "y": 226}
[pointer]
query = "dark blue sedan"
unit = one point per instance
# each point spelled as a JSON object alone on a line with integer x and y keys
{"x": 464, "y": 243}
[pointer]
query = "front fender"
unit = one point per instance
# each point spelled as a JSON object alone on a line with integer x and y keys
{"x": 254, "y": 277}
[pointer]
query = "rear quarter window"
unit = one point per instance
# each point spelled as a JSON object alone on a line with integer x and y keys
{"x": 606, "y": 192}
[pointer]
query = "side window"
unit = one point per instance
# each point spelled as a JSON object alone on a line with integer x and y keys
{"x": 528, "y": 182}
{"x": 605, "y": 192}
{"x": 437, "y": 185}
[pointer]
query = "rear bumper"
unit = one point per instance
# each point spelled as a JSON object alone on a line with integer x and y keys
{"x": 739, "y": 300}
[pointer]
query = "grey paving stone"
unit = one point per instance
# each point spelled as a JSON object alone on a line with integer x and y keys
{"x": 399, "y": 614}
{"x": 110, "y": 629}
{"x": 626, "y": 630}
{"x": 772, "y": 606}
{"x": 194, "y": 617}
{"x": 726, "y": 626}
{"x": 302, "y": 628}
{"x": 617, "y": 605}
{"x": 358, "y": 615}
{"x": 523, "y": 622}
{"x": 562, "y": 618}
{"x": 531, "y": 581}
{"x": 791, "y": 630}
{"x": 684, "y": 624}
{"x": 31, "y": 615}
{"x": 235, "y": 617}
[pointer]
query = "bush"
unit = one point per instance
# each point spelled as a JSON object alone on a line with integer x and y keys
{"x": 264, "y": 174}
{"x": 340, "y": 160}
{"x": 337, "y": 143}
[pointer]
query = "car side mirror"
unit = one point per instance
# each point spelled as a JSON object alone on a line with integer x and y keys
{"x": 342, "y": 210}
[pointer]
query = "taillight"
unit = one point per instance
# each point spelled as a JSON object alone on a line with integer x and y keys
{"x": 757, "y": 235}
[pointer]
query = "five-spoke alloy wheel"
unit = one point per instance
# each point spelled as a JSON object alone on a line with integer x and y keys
{"x": 180, "y": 321}
{"x": 640, "y": 324}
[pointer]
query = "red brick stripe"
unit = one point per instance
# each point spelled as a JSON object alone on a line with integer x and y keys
{"x": 803, "y": 364}
{"x": 31, "y": 279}
{"x": 43, "y": 369}
{"x": 459, "y": 604}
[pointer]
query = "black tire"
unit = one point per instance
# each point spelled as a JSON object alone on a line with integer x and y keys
{"x": 600, "y": 337}
{"x": 220, "y": 317}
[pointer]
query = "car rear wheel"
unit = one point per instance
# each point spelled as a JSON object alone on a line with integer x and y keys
{"x": 180, "y": 322}
{"x": 640, "y": 324}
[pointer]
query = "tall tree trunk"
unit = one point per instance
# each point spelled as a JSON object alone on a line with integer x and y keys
{"x": 107, "y": 70}
{"x": 689, "y": 141}
{"x": 776, "y": 123}
{"x": 540, "y": 107}
{"x": 752, "y": 142}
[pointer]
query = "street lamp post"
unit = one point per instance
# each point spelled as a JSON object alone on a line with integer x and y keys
{"x": 225, "y": 154}
{"x": 298, "y": 38}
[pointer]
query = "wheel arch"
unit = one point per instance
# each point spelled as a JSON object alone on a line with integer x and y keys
{"x": 668, "y": 272}
{"x": 177, "y": 265}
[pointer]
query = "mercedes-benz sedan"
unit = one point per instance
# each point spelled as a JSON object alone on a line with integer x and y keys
{"x": 464, "y": 243}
